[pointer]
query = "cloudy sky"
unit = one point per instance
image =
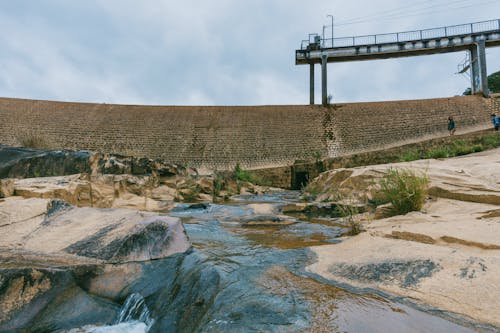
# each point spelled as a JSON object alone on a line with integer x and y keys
{"x": 218, "y": 52}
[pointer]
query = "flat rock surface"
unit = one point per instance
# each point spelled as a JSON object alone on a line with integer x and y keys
{"x": 43, "y": 226}
{"x": 446, "y": 256}
{"x": 475, "y": 177}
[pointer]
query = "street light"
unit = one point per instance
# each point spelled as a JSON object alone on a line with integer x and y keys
{"x": 323, "y": 37}
{"x": 332, "y": 26}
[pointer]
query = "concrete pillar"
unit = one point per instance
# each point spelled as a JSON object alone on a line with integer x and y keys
{"x": 324, "y": 97}
{"x": 311, "y": 84}
{"x": 474, "y": 70}
{"x": 479, "y": 76}
{"x": 482, "y": 67}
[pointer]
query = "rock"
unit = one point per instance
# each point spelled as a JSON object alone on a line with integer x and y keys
{"x": 198, "y": 206}
{"x": 447, "y": 257}
{"x": 260, "y": 220}
{"x": 26, "y": 289}
{"x": 33, "y": 163}
{"x": 205, "y": 184}
{"x": 103, "y": 191}
{"x": 473, "y": 178}
{"x": 383, "y": 211}
{"x": 72, "y": 189}
{"x": 163, "y": 193}
{"x": 264, "y": 208}
{"x": 28, "y": 163}
{"x": 6, "y": 188}
{"x": 294, "y": 208}
{"x": 111, "y": 235}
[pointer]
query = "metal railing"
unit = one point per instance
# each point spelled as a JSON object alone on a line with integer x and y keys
{"x": 402, "y": 37}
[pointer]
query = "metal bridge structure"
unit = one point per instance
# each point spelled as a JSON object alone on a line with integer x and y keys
{"x": 472, "y": 37}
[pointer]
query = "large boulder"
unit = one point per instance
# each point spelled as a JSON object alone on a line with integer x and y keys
{"x": 62, "y": 266}
{"x": 27, "y": 163}
{"x": 17, "y": 162}
{"x": 107, "y": 235}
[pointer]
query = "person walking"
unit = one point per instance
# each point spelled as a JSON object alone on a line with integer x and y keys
{"x": 496, "y": 121}
{"x": 451, "y": 125}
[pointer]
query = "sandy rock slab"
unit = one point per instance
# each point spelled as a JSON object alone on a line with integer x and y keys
{"x": 473, "y": 178}
{"x": 447, "y": 256}
{"x": 108, "y": 235}
{"x": 103, "y": 191}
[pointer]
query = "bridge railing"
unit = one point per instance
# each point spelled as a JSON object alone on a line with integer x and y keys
{"x": 400, "y": 37}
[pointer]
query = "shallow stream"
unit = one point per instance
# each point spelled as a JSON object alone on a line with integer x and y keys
{"x": 251, "y": 278}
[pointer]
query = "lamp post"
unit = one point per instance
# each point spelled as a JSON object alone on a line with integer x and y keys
{"x": 323, "y": 37}
{"x": 332, "y": 26}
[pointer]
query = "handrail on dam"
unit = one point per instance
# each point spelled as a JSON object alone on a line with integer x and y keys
{"x": 316, "y": 42}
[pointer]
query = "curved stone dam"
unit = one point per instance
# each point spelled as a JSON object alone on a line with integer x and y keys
{"x": 219, "y": 137}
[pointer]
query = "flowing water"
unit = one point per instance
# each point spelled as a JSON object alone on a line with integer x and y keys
{"x": 251, "y": 278}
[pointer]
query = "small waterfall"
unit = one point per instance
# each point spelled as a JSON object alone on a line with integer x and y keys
{"x": 135, "y": 309}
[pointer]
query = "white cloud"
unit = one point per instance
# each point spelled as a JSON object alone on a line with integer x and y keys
{"x": 212, "y": 52}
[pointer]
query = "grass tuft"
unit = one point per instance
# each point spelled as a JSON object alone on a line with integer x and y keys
{"x": 404, "y": 189}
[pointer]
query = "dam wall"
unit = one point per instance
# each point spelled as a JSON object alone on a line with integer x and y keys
{"x": 256, "y": 137}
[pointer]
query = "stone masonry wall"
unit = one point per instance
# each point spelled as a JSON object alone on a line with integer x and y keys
{"x": 218, "y": 137}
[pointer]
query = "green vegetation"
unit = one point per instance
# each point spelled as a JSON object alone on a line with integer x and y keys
{"x": 32, "y": 140}
{"x": 493, "y": 84}
{"x": 188, "y": 191}
{"x": 404, "y": 189}
{"x": 348, "y": 211}
{"x": 454, "y": 148}
{"x": 436, "y": 148}
{"x": 311, "y": 191}
{"x": 410, "y": 155}
{"x": 242, "y": 175}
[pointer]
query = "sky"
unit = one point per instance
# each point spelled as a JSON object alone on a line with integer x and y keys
{"x": 219, "y": 52}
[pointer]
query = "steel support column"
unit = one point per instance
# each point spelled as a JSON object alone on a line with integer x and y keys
{"x": 324, "y": 97}
{"x": 311, "y": 84}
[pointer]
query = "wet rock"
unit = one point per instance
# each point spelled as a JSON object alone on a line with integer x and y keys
{"x": 294, "y": 208}
{"x": 261, "y": 220}
{"x": 31, "y": 163}
{"x": 26, "y": 289}
{"x": 198, "y": 206}
{"x": 28, "y": 163}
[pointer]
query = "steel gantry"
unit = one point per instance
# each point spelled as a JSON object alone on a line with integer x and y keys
{"x": 472, "y": 37}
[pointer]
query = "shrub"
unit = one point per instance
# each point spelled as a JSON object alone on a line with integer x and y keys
{"x": 410, "y": 155}
{"x": 348, "y": 211}
{"x": 242, "y": 175}
{"x": 32, "y": 140}
{"x": 405, "y": 190}
{"x": 437, "y": 153}
{"x": 490, "y": 141}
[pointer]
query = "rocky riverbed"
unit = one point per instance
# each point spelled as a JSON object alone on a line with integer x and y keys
{"x": 447, "y": 255}
{"x": 238, "y": 266}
